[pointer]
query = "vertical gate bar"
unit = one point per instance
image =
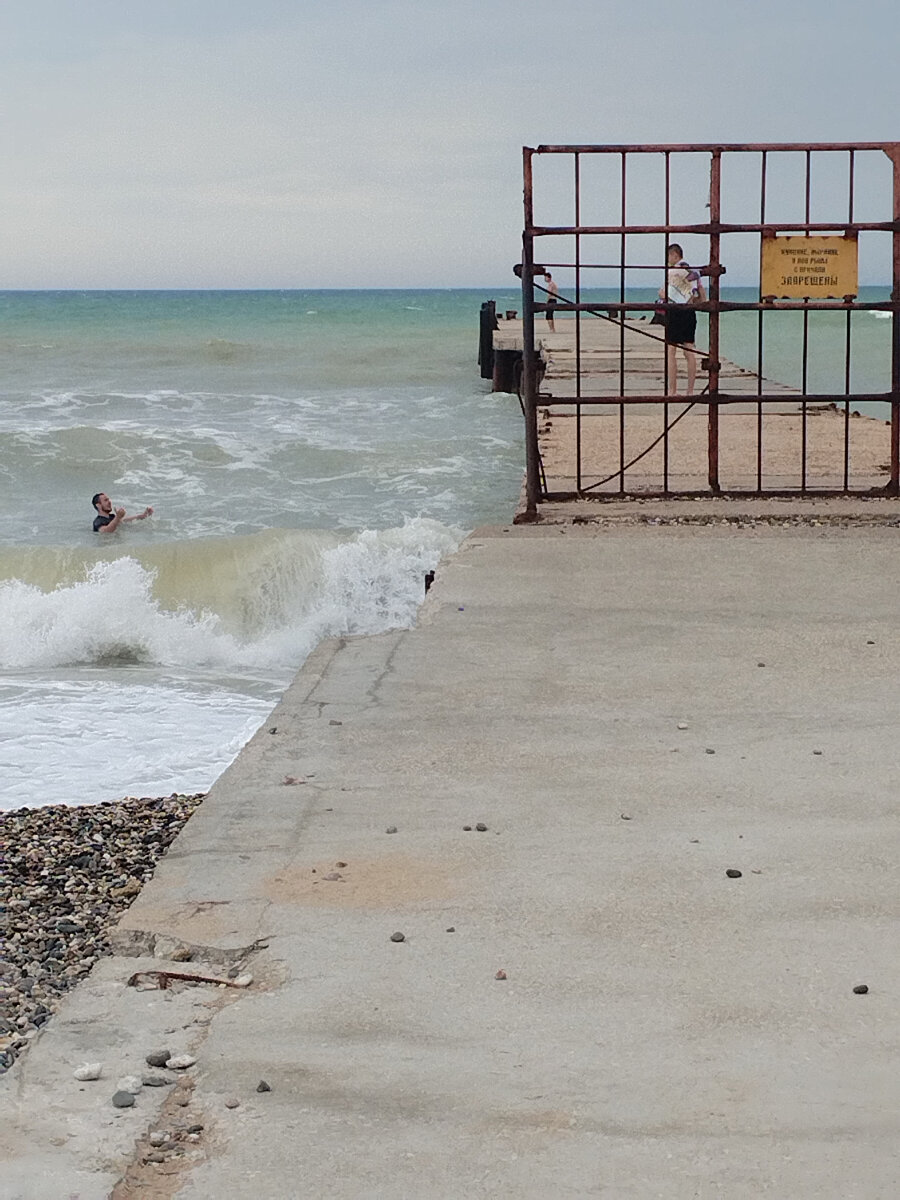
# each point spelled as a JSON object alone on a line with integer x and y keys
{"x": 529, "y": 362}
{"x": 847, "y": 339}
{"x": 577, "y": 323}
{"x": 804, "y": 429}
{"x": 715, "y": 238}
{"x": 759, "y": 339}
{"x": 847, "y": 405}
{"x": 894, "y": 484}
{"x": 622, "y": 249}
{"x": 665, "y": 355}
{"x": 803, "y": 392}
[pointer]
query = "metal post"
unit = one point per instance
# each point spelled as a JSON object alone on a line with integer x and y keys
{"x": 715, "y": 216}
{"x": 529, "y": 359}
{"x": 893, "y": 487}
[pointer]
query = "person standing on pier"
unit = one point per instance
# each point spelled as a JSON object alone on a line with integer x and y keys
{"x": 684, "y": 288}
{"x": 552, "y": 299}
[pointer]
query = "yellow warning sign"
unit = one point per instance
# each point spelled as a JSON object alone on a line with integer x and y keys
{"x": 820, "y": 268}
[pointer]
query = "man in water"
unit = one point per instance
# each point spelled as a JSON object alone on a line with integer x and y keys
{"x": 107, "y": 519}
{"x": 684, "y": 289}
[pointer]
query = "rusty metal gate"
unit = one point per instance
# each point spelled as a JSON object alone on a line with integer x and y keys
{"x": 801, "y": 218}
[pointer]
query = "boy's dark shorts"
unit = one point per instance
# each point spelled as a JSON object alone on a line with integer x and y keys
{"x": 681, "y": 325}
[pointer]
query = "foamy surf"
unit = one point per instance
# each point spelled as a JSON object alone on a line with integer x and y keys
{"x": 234, "y": 618}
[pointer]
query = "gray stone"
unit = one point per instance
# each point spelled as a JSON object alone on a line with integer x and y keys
{"x": 122, "y": 1099}
{"x": 158, "y": 1058}
{"x": 398, "y": 937}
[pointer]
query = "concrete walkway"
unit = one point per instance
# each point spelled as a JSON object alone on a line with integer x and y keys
{"x": 631, "y": 713}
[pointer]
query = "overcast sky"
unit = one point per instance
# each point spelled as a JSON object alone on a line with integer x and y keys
{"x": 361, "y": 143}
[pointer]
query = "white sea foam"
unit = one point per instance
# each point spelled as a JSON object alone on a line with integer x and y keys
{"x": 282, "y": 601}
{"x": 82, "y": 727}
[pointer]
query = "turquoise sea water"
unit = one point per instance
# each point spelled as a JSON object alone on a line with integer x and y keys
{"x": 309, "y": 456}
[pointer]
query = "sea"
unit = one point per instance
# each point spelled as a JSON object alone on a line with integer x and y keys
{"x": 309, "y": 456}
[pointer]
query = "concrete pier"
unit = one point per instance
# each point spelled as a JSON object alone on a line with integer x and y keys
{"x": 598, "y": 449}
{"x": 631, "y": 713}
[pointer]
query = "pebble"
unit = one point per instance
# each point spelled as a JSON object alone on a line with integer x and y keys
{"x": 232, "y": 1102}
{"x": 242, "y": 981}
{"x": 733, "y": 873}
{"x": 123, "y": 1099}
{"x": 194, "y": 1129}
{"x": 154, "y": 1079}
{"x": 130, "y": 1083}
{"x": 624, "y": 817}
{"x": 332, "y": 876}
{"x": 333, "y": 722}
{"x": 682, "y": 725}
{"x": 262, "y": 1086}
{"x": 709, "y": 750}
{"x": 451, "y": 929}
{"x": 158, "y": 1058}
{"x": 155, "y": 1156}
{"x": 500, "y": 975}
{"x": 861, "y": 989}
{"x": 398, "y": 937}
{"x": 181, "y": 1062}
{"x": 158, "y": 1137}
{"x": 88, "y": 1071}
{"x": 817, "y": 751}
{"x": 481, "y": 827}
{"x": 69, "y": 872}
{"x": 467, "y": 828}
{"x": 391, "y": 829}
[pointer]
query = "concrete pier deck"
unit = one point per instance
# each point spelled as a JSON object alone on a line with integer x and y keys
{"x": 605, "y": 442}
{"x": 630, "y": 712}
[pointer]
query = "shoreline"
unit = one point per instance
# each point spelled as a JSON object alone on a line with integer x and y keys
{"x": 71, "y": 871}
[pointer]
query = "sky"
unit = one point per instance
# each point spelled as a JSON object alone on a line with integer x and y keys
{"x": 378, "y": 143}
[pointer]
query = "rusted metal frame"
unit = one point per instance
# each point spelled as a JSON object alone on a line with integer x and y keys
{"x": 726, "y": 305}
{"x": 813, "y": 398}
{"x": 668, "y": 207}
{"x": 577, "y": 163}
{"x": 851, "y": 186}
{"x": 622, "y": 252}
{"x": 759, "y": 340}
{"x": 715, "y": 216}
{"x": 847, "y": 405}
{"x": 529, "y": 358}
{"x": 894, "y": 484}
{"x": 724, "y": 493}
{"x": 724, "y": 147}
{"x": 804, "y": 367}
{"x": 727, "y": 227}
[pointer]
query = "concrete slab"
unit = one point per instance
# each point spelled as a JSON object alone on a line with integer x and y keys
{"x": 662, "y": 1030}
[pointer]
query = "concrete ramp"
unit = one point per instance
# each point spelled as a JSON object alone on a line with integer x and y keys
{"x": 584, "y": 1003}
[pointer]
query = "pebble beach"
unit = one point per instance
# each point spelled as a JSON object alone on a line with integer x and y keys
{"x": 68, "y": 873}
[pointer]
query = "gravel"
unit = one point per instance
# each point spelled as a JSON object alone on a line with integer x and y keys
{"x": 69, "y": 872}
